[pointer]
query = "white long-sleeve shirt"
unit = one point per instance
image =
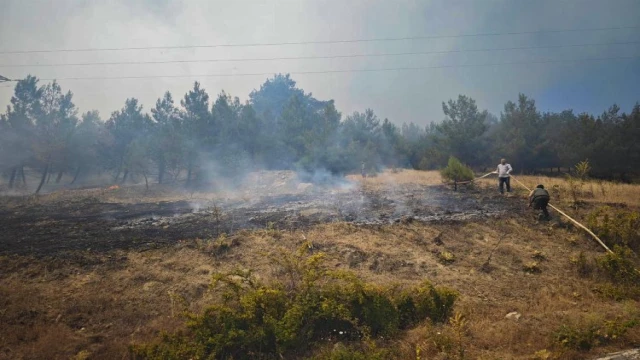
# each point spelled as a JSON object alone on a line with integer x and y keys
{"x": 504, "y": 170}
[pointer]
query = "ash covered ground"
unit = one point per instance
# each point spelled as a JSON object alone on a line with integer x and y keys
{"x": 132, "y": 217}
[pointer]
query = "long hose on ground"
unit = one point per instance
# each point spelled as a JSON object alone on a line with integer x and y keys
{"x": 559, "y": 211}
{"x": 570, "y": 218}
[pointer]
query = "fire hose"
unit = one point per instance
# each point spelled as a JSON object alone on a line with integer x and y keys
{"x": 570, "y": 218}
{"x": 576, "y": 222}
{"x": 559, "y": 211}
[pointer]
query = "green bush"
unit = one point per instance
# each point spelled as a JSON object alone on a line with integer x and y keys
{"x": 616, "y": 227}
{"x": 456, "y": 171}
{"x": 587, "y": 336}
{"x": 309, "y": 306}
{"x": 366, "y": 351}
{"x": 619, "y": 266}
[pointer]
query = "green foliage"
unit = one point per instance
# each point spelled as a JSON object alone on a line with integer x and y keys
{"x": 308, "y": 306}
{"x": 616, "y": 226}
{"x": 619, "y": 266}
{"x": 463, "y": 128}
{"x": 621, "y": 269}
{"x": 367, "y": 351}
{"x": 584, "y": 337}
{"x": 583, "y": 169}
{"x": 456, "y": 171}
{"x": 446, "y": 257}
{"x": 284, "y": 127}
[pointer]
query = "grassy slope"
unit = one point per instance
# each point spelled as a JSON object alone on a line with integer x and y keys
{"x": 96, "y": 305}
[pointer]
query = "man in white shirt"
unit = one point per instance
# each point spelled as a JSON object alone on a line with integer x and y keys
{"x": 503, "y": 172}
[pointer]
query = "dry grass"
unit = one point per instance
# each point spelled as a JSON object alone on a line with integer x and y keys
{"x": 55, "y": 310}
{"x": 593, "y": 191}
{"x": 399, "y": 176}
{"x": 95, "y": 306}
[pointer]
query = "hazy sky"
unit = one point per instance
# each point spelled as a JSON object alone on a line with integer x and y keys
{"x": 401, "y": 96}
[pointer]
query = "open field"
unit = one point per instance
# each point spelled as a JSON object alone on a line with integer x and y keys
{"x": 593, "y": 191}
{"x": 86, "y": 273}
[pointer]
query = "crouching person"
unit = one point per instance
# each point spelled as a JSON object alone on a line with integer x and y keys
{"x": 539, "y": 199}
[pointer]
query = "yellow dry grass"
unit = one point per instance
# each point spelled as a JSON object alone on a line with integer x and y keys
{"x": 563, "y": 190}
{"x": 389, "y": 178}
{"x": 96, "y": 307}
{"x": 128, "y": 297}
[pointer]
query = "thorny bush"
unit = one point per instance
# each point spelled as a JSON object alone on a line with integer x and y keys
{"x": 308, "y": 306}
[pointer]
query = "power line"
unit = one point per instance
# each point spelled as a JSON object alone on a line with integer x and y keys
{"x": 318, "y": 41}
{"x": 348, "y": 70}
{"x": 317, "y": 57}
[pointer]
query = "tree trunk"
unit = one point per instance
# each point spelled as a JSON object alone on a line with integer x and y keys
{"x": 48, "y": 177}
{"x": 75, "y": 177}
{"x": 24, "y": 179}
{"x": 59, "y": 176}
{"x": 161, "y": 169}
{"x": 119, "y": 170}
{"x": 189, "y": 175}
{"x": 13, "y": 177}
{"x": 146, "y": 181}
{"x": 44, "y": 177}
{"x": 124, "y": 177}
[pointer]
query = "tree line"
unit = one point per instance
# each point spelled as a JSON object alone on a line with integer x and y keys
{"x": 197, "y": 140}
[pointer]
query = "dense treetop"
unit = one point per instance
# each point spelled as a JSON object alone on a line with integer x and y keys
{"x": 199, "y": 139}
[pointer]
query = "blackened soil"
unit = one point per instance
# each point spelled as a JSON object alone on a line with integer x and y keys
{"x": 86, "y": 224}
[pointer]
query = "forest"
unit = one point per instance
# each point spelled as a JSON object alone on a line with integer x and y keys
{"x": 196, "y": 140}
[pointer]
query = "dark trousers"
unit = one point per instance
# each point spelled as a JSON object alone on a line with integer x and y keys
{"x": 504, "y": 180}
{"x": 541, "y": 204}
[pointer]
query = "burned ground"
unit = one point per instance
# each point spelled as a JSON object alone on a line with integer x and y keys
{"x": 87, "y": 223}
{"x": 86, "y": 273}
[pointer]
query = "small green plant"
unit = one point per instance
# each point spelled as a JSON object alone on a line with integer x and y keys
{"x": 459, "y": 324}
{"x": 456, "y": 171}
{"x": 531, "y": 267}
{"x": 583, "y": 168}
{"x": 446, "y": 257}
{"x": 543, "y": 354}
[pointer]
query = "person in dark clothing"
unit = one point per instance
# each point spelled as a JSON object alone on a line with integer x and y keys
{"x": 539, "y": 199}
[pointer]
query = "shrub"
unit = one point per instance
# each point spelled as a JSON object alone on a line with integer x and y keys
{"x": 369, "y": 351}
{"x": 587, "y": 336}
{"x": 446, "y": 257}
{"x": 583, "y": 168}
{"x": 531, "y": 267}
{"x": 620, "y": 269}
{"x": 255, "y": 319}
{"x": 456, "y": 171}
{"x": 616, "y": 227}
{"x": 619, "y": 266}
